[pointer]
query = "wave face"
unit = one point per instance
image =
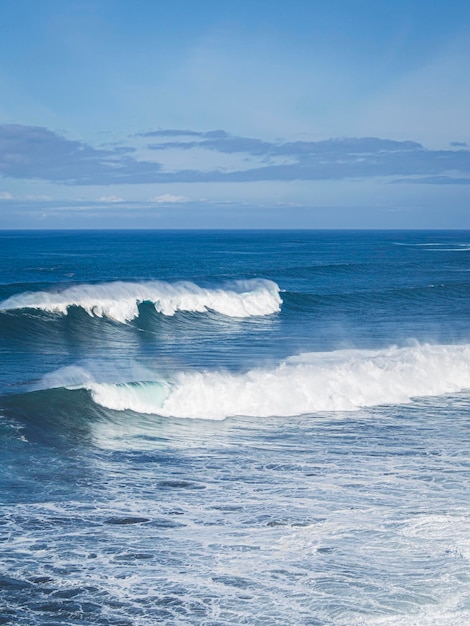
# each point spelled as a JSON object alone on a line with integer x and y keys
{"x": 343, "y": 380}
{"x": 120, "y": 301}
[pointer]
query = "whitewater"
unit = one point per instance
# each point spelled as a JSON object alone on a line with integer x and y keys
{"x": 235, "y": 428}
{"x": 343, "y": 380}
{"x": 120, "y": 301}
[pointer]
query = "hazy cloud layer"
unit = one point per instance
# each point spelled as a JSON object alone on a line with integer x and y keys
{"x": 33, "y": 152}
{"x": 29, "y": 152}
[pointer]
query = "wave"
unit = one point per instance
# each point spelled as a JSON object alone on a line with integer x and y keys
{"x": 343, "y": 380}
{"x": 120, "y": 301}
{"x": 437, "y": 246}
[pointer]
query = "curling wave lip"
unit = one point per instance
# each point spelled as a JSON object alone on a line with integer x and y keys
{"x": 342, "y": 380}
{"x": 120, "y": 301}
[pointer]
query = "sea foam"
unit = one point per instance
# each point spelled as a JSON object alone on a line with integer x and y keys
{"x": 343, "y": 380}
{"x": 120, "y": 300}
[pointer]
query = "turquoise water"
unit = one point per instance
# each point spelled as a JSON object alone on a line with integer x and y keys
{"x": 235, "y": 428}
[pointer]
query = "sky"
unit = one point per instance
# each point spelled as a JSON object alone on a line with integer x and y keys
{"x": 224, "y": 114}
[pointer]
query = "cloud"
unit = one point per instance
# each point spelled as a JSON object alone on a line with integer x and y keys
{"x": 111, "y": 199}
{"x": 256, "y": 147}
{"x": 29, "y": 152}
{"x": 331, "y": 159}
{"x": 34, "y": 152}
{"x": 38, "y": 198}
{"x": 6, "y": 195}
{"x": 458, "y": 144}
{"x": 434, "y": 180}
{"x": 169, "y": 198}
{"x": 211, "y": 134}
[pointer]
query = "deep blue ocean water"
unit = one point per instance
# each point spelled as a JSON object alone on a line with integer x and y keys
{"x": 223, "y": 428}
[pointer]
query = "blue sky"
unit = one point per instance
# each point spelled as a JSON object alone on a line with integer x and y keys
{"x": 266, "y": 114}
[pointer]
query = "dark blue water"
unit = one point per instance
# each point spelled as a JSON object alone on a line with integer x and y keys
{"x": 234, "y": 427}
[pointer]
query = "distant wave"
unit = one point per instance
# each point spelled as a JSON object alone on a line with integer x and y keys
{"x": 342, "y": 380}
{"x": 120, "y": 300}
{"x": 437, "y": 246}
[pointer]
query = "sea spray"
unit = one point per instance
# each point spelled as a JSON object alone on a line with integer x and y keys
{"x": 342, "y": 380}
{"x": 120, "y": 301}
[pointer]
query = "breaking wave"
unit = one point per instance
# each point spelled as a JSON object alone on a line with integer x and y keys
{"x": 343, "y": 380}
{"x": 120, "y": 301}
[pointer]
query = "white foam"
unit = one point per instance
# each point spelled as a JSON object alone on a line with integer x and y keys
{"x": 444, "y": 532}
{"x": 119, "y": 300}
{"x": 343, "y": 380}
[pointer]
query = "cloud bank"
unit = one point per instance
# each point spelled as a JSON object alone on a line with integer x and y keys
{"x": 38, "y": 153}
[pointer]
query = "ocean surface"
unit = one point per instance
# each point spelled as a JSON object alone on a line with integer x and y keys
{"x": 224, "y": 428}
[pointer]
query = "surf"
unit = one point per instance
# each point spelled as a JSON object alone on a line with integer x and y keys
{"x": 307, "y": 383}
{"x": 120, "y": 301}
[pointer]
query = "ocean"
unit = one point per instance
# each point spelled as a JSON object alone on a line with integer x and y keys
{"x": 234, "y": 427}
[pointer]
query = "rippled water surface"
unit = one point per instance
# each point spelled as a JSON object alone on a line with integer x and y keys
{"x": 305, "y": 462}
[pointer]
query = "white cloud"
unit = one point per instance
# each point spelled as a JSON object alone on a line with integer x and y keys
{"x": 5, "y": 195}
{"x": 168, "y": 197}
{"x": 110, "y": 199}
{"x": 39, "y": 198}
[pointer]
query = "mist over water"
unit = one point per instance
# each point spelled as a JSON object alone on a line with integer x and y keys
{"x": 235, "y": 428}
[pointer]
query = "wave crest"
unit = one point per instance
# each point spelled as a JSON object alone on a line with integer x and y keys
{"x": 120, "y": 300}
{"x": 342, "y": 380}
